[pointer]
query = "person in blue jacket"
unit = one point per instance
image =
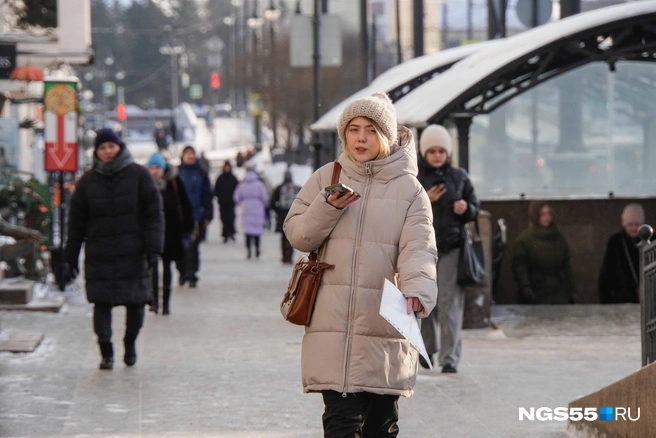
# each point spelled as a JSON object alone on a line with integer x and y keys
{"x": 197, "y": 185}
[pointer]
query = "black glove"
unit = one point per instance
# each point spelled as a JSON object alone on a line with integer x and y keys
{"x": 72, "y": 271}
{"x": 152, "y": 260}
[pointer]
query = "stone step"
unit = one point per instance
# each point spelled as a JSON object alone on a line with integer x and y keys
{"x": 16, "y": 291}
{"x": 20, "y": 341}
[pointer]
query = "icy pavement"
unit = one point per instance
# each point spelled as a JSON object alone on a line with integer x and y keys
{"x": 225, "y": 364}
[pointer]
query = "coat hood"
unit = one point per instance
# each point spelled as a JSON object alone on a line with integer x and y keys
{"x": 534, "y": 208}
{"x": 251, "y": 176}
{"x": 402, "y": 161}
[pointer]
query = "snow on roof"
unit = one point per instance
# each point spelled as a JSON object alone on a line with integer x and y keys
{"x": 429, "y": 98}
{"x": 400, "y": 75}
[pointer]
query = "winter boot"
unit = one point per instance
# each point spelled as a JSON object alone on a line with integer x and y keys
{"x": 165, "y": 301}
{"x": 130, "y": 357}
{"x": 107, "y": 353}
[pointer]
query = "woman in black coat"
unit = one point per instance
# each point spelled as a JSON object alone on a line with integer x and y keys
{"x": 454, "y": 203}
{"x": 116, "y": 212}
{"x": 179, "y": 225}
{"x": 619, "y": 278}
{"x": 224, "y": 189}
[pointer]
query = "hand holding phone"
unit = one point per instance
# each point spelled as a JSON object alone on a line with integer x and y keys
{"x": 340, "y": 188}
{"x": 436, "y": 192}
{"x": 340, "y": 195}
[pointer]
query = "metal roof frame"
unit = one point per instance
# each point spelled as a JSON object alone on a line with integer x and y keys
{"x": 489, "y": 78}
{"x": 400, "y": 80}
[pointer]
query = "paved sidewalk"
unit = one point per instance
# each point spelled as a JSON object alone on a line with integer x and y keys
{"x": 225, "y": 364}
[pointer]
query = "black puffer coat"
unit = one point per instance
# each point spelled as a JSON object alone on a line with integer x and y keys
{"x": 448, "y": 225}
{"x": 117, "y": 212}
{"x": 224, "y": 189}
{"x": 179, "y": 217}
{"x": 620, "y": 271}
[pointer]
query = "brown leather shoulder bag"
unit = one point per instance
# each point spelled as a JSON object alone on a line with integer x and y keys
{"x": 298, "y": 303}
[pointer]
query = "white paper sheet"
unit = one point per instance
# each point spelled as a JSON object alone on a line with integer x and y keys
{"x": 393, "y": 307}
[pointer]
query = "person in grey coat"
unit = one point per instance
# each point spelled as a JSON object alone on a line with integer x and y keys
{"x": 116, "y": 212}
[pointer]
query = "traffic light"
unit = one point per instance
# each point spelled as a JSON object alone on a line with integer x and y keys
{"x": 215, "y": 81}
{"x": 120, "y": 113}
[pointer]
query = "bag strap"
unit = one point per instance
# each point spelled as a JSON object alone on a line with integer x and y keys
{"x": 337, "y": 169}
{"x": 478, "y": 231}
{"x": 628, "y": 259}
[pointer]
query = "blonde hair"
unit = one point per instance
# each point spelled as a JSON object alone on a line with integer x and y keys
{"x": 385, "y": 146}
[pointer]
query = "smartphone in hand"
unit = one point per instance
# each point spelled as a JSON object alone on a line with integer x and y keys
{"x": 342, "y": 189}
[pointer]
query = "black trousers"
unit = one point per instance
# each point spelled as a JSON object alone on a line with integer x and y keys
{"x": 256, "y": 242}
{"x": 166, "y": 283}
{"x": 227, "y": 221}
{"x": 102, "y": 322}
{"x": 360, "y": 415}
{"x": 189, "y": 265}
{"x": 287, "y": 249}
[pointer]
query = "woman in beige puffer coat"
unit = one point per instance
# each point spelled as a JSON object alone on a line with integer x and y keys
{"x": 350, "y": 353}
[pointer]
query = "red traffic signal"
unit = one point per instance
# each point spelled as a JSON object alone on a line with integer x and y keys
{"x": 120, "y": 113}
{"x": 215, "y": 81}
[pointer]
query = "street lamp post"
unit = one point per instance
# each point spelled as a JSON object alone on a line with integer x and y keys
{"x": 173, "y": 52}
{"x": 255, "y": 23}
{"x": 272, "y": 15}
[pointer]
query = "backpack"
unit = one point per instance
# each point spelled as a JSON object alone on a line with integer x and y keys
{"x": 288, "y": 193}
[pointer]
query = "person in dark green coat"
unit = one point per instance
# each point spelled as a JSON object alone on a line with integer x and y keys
{"x": 540, "y": 260}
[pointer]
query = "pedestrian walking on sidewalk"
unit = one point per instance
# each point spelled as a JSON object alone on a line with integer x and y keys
{"x": 541, "y": 261}
{"x": 619, "y": 277}
{"x": 178, "y": 225}
{"x": 116, "y": 212}
{"x": 454, "y": 203}
{"x": 252, "y": 196}
{"x": 198, "y": 189}
{"x": 224, "y": 190}
{"x": 351, "y": 355}
{"x": 281, "y": 201}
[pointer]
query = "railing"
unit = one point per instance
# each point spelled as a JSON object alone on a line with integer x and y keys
{"x": 647, "y": 294}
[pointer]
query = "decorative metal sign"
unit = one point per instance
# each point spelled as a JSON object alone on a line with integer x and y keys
{"x": 60, "y": 119}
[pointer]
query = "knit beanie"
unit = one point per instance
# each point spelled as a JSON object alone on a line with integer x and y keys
{"x": 378, "y": 108}
{"x": 157, "y": 160}
{"x": 633, "y": 214}
{"x": 104, "y": 135}
{"x": 435, "y": 135}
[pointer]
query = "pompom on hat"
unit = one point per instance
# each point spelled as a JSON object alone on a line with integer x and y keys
{"x": 378, "y": 108}
{"x": 432, "y": 136}
{"x": 105, "y": 135}
{"x": 157, "y": 160}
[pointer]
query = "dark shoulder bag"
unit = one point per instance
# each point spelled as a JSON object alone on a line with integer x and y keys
{"x": 298, "y": 303}
{"x": 471, "y": 266}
